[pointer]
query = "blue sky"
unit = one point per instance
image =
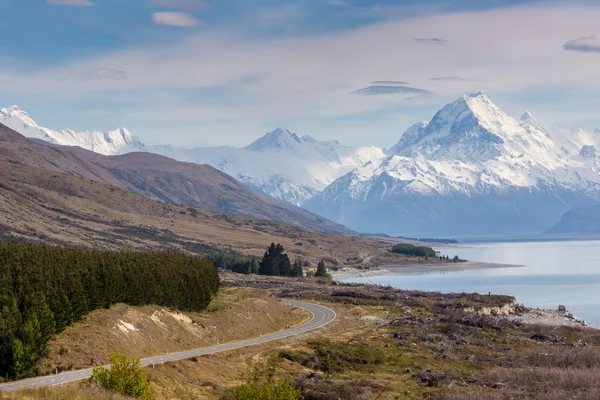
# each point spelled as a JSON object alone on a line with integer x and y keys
{"x": 192, "y": 72}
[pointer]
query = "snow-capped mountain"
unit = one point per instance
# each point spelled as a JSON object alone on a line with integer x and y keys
{"x": 279, "y": 164}
{"x": 471, "y": 170}
{"x": 119, "y": 141}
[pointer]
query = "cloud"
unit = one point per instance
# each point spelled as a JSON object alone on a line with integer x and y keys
{"x": 75, "y": 3}
{"x": 338, "y": 3}
{"x": 190, "y": 5}
{"x": 459, "y": 79}
{"x": 431, "y": 40}
{"x": 588, "y": 44}
{"x": 175, "y": 19}
{"x": 86, "y": 74}
{"x": 389, "y": 83}
{"x": 376, "y": 90}
{"x": 197, "y": 82}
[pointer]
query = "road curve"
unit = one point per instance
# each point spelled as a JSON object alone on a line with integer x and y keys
{"x": 321, "y": 316}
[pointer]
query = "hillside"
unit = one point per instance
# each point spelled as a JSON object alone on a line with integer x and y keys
{"x": 280, "y": 164}
{"x": 52, "y": 195}
{"x": 163, "y": 179}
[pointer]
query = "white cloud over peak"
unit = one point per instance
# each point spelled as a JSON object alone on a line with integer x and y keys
{"x": 180, "y": 19}
{"x": 75, "y": 3}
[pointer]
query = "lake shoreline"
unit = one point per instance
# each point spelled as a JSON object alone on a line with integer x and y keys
{"x": 412, "y": 269}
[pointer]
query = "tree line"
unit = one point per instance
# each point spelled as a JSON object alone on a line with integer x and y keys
{"x": 44, "y": 289}
{"x": 414, "y": 251}
{"x": 274, "y": 263}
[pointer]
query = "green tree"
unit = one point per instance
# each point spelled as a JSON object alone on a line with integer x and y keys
{"x": 275, "y": 262}
{"x": 297, "y": 269}
{"x": 321, "y": 270}
{"x": 125, "y": 376}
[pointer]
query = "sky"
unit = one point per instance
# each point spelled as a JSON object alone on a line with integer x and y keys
{"x": 207, "y": 72}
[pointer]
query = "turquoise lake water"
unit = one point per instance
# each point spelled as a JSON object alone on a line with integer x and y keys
{"x": 553, "y": 273}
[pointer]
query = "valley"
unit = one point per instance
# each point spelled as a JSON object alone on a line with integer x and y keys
{"x": 471, "y": 171}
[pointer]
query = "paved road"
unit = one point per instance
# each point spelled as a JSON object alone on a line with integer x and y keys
{"x": 321, "y": 316}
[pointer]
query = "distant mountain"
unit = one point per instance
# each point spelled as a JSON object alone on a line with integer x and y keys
{"x": 54, "y": 194}
{"x": 119, "y": 141}
{"x": 161, "y": 178}
{"x": 581, "y": 220}
{"x": 280, "y": 164}
{"x": 471, "y": 170}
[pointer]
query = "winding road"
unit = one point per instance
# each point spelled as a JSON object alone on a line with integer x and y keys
{"x": 321, "y": 316}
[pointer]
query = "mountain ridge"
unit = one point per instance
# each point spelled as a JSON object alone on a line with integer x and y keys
{"x": 297, "y": 167}
{"x": 160, "y": 178}
{"x": 470, "y": 170}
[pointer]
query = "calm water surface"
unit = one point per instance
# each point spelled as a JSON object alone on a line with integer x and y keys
{"x": 553, "y": 273}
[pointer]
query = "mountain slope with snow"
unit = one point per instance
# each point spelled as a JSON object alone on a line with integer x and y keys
{"x": 471, "y": 170}
{"x": 119, "y": 141}
{"x": 279, "y": 164}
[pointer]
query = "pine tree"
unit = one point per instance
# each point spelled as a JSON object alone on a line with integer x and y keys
{"x": 321, "y": 270}
{"x": 297, "y": 269}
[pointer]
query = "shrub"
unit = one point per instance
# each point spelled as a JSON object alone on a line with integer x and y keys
{"x": 266, "y": 391}
{"x": 125, "y": 376}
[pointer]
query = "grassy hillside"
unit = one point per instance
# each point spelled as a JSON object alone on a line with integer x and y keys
{"x": 161, "y": 178}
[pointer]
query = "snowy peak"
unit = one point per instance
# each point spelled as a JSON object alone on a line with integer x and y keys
{"x": 280, "y": 138}
{"x": 470, "y": 129}
{"x": 17, "y": 113}
{"x": 118, "y": 141}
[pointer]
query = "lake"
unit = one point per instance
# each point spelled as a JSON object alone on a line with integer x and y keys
{"x": 553, "y": 273}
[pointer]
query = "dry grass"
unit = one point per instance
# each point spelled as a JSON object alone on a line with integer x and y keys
{"x": 69, "y": 392}
{"x": 154, "y": 330}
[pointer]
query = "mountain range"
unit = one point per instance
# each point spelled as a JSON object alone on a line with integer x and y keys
{"x": 280, "y": 164}
{"x": 470, "y": 170}
{"x": 69, "y": 196}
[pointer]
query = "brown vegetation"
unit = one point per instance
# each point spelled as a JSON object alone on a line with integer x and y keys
{"x": 54, "y": 195}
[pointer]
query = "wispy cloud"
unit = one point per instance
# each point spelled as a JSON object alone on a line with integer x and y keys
{"x": 180, "y": 19}
{"x": 86, "y": 74}
{"x": 588, "y": 44}
{"x": 190, "y": 5}
{"x": 459, "y": 79}
{"x": 389, "y": 83}
{"x": 376, "y": 90}
{"x": 338, "y": 3}
{"x": 73, "y": 3}
{"x": 431, "y": 40}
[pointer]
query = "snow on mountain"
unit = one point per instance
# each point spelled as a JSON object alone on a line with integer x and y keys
{"x": 119, "y": 141}
{"x": 279, "y": 164}
{"x": 471, "y": 170}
